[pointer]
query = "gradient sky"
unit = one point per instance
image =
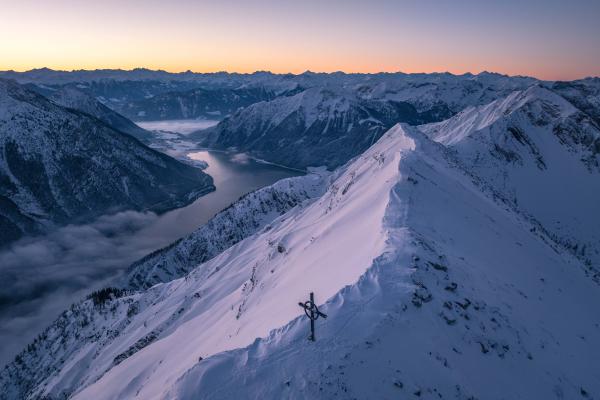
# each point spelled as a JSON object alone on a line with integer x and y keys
{"x": 549, "y": 39}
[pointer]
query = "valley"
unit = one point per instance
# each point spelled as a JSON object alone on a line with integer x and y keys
{"x": 66, "y": 272}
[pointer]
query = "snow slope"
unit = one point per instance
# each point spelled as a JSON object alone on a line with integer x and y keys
{"x": 583, "y": 93}
{"x": 543, "y": 155}
{"x": 438, "y": 277}
{"x": 466, "y": 302}
{"x": 332, "y": 118}
{"x": 261, "y": 285}
{"x": 233, "y": 300}
{"x": 243, "y": 218}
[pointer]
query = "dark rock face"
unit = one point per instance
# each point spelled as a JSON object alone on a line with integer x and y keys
{"x": 59, "y": 165}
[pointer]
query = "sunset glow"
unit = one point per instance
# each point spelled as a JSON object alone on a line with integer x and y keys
{"x": 546, "y": 39}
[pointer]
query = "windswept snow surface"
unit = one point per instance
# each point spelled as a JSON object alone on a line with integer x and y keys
{"x": 264, "y": 278}
{"x": 465, "y": 302}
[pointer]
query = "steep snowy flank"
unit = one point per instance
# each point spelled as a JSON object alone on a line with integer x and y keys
{"x": 339, "y": 116}
{"x": 433, "y": 287}
{"x": 71, "y": 97}
{"x": 224, "y": 303}
{"x": 319, "y": 126}
{"x": 59, "y": 165}
{"x": 243, "y": 218}
{"x": 466, "y": 302}
{"x": 542, "y": 156}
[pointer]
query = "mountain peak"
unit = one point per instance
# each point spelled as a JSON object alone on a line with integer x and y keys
{"x": 536, "y": 102}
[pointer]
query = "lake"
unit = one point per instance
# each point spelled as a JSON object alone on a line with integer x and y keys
{"x": 234, "y": 175}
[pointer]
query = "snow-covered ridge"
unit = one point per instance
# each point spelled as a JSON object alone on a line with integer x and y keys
{"x": 454, "y": 130}
{"x": 319, "y": 126}
{"x": 308, "y": 78}
{"x": 255, "y": 286}
{"x": 583, "y": 93}
{"x": 466, "y": 302}
{"x": 243, "y": 218}
{"x": 232, "y": 292}
{"x": 335, "y": 118}
{"x": 542, "y": 155}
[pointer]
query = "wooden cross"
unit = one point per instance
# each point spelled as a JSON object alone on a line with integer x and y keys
{"x": 313, "y": 313}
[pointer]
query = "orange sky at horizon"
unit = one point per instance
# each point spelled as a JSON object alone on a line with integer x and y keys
{"x": 548, "y": 77}
{"x": 281, "y": 36}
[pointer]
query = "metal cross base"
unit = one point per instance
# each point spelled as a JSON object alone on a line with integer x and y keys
{"x": 313, "y": 313}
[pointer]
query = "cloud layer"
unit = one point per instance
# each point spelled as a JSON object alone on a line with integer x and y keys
{"x": 42, "y": 276}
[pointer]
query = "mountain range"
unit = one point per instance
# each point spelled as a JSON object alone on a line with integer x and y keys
{"x": 455, "y": 257}
{"x": 318, "y": 126}
{"x": 194, "y": 103}
{"x": 337, "y": 118}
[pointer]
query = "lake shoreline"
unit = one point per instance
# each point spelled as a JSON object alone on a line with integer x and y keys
{"x": 71, "y": 268}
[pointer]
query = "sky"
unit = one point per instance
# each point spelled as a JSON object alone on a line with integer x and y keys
{"x": 548, "y": 39}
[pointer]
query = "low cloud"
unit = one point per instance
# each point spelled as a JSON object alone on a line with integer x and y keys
{"x": 184, "y": 126}
{"x": 42, "y": 276}
{"x": 240, "y": 158}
